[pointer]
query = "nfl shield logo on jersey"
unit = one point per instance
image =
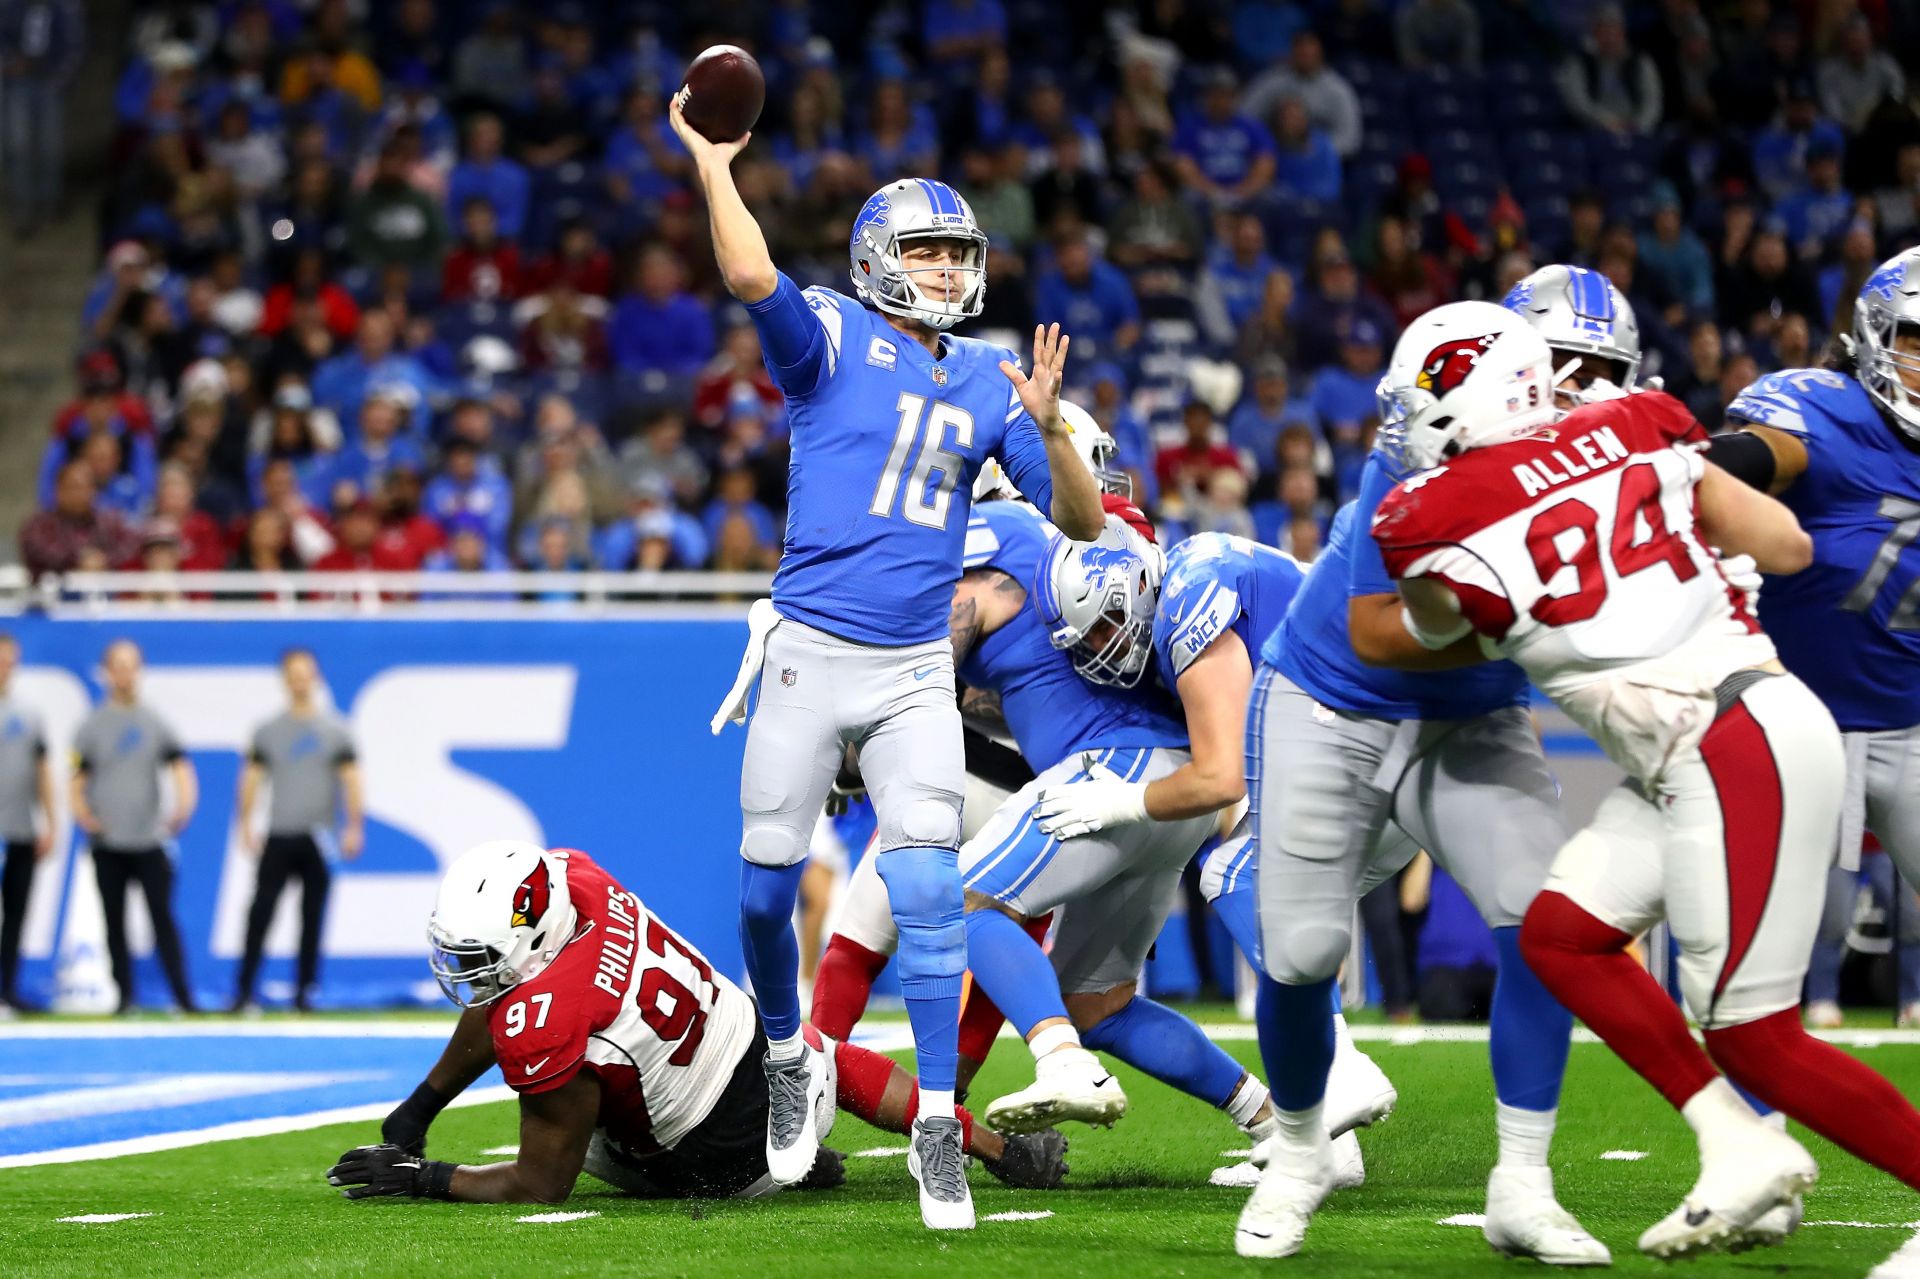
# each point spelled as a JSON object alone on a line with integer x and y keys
{"x": 789, "y": 676}
{"x": 939, "y": 376}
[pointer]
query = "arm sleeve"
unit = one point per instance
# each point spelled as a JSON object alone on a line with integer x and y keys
{"x": 1745, "y": 456}
{"x": 1410, "y": 547}
{"x": 1024, "y": 455}
{"x": 800, "y": 333}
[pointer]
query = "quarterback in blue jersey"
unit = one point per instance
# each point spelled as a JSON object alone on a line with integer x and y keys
{"x": 1840, "y": 446}
{"x": 891, "y": 419}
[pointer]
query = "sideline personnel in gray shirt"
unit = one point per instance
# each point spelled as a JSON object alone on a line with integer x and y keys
{"x": 118, "y": 756}
{"x": 307, "y": 757}
{"x": 25, "y": 783}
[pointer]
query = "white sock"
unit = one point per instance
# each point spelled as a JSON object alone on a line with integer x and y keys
{"x": 1300, "y": 1128}
{"x": 1525, "y": 1135}
{"x": 936, "y": 1105}
{"x": 1715, "y": 1109}
{"x": 1775, "y": 1119}
{"x": 1054, "y": 1038}
{"x": 1246, "y": 1101}
{"x": 786, "y": 1049}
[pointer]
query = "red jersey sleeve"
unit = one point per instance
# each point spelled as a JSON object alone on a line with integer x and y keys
{"x": 1645, "y": 420}
{"x": 541, "y": 1027}
{"x": 1420, "y": 534}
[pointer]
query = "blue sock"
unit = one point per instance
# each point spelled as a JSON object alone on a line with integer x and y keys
{"x": 1296, "y": 1040}
{"x": 1168, "y": 1046}
{"x": 1528, "y": 1034}
{"x": 767, "y": 898}
{"x": 1240, "y": 912}
{"x": 923, "y": 885}
{"x": 1013, "y": 970}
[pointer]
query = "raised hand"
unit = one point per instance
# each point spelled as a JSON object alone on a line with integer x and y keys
{"x": 703, "y": 151}
{"x": 1040, "y": 391}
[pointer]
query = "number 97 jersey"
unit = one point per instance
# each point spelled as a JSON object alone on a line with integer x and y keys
{"x": 1575, "y": 549}
{"x": 633, "y": 1004}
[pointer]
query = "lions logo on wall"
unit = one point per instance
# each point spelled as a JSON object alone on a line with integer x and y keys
{"x": 530, "y": 899}
{"x": 1448, "y": 364}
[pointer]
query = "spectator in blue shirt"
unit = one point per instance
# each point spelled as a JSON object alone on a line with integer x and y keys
{"x": 1306, "y": 165}
{"x": 466, "y": 488}
{"x": 1817, "y": 213}
{"x": 1256, "y": 425}
{"x": 655, "y": 534}
{"x": 381, "y": 446}
{"x": 660, "y": 327}
{"x": 1046, "y": 117}
{"x": 1672, "y": 253}
{"x": 1107, "y": 401}
{"x": 486, "y": 173}
{"x": 955, "y": 33}
{"x": 901, "y": 136}
{"x": 1235, "y": 279}
{"x": 341, "y": 382}
{"x": 1087, "y": 296}
{"x": 466, "y": 551}
{"x": 644, "y": 161}
{"x": 1780, "y": 150}
{"x": 1224, "y": 155}
{"x": 743, "y": 532}
{"x": 1343, "y": 400}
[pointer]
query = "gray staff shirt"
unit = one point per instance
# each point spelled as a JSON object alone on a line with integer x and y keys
{"x": 23, "y": 744}
{"x": 302, "y": 755}
{"x": 120, "y": 751}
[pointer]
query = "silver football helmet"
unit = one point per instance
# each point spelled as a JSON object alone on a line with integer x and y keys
{"x": 1097, "y": 601}
{"x": 1579, "y": 312}
{"x": 893, "y": 217}
{"x": 1889, "y": 302}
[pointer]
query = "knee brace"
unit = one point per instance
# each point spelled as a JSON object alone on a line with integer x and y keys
{"x": 1302, "y": 954}
{"x": 923, "y": 885}
{"x": 930, "y": 819}
{"x": 770, "y": 841}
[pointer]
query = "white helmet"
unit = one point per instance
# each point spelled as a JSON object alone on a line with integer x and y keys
{"x": 1463, "y": 376}
{"x": 503, "y": 913}
{"x": 916, "y": 209}
{"x": 1580, "y": 312}
{"x": 1097, "y": 601}
{"x": 1888, "y": 302}
{"x": 1091, "y": 444}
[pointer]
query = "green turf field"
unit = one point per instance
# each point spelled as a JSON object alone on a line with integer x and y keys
{"x": 1139, "y": 1203}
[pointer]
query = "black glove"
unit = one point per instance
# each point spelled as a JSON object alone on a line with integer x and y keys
{"x": 848, "y": 785}
{"x": 407, "y": 1126}
{"x": 366, "y": 1171}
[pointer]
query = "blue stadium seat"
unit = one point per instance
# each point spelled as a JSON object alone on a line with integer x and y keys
{"x": 1464, "y": 176}
{"x": 458, "y": 323}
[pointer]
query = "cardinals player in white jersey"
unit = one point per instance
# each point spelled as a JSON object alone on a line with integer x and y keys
{"x": 634, "y": 1060}
{"x": 1578, "y": 548}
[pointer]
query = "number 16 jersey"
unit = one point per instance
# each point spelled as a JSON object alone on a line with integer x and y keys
{"x": 886, "y": 441}
{"x": 1575, "y": 549}
{"x": 633, "y": 1004}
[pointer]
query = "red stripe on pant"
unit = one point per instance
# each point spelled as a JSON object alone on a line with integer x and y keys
{"x": 1747, "y": 779}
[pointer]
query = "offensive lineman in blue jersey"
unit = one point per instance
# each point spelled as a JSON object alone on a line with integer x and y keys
{"x": 891, "y": 419}
{"x": 1200, "y": 625}
{"x": 1841, "y": 447}
{"x": 1345, "y": 750}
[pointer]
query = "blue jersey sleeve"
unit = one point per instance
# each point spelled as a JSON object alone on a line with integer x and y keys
{"x": 800, "y": 334}
{"x": 1366, "y": 570}
{"x": 1024, "y": 455}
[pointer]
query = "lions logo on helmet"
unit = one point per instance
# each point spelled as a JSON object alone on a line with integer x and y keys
{"x": 1448, "y": 364}
{"x": 530, "y": 899}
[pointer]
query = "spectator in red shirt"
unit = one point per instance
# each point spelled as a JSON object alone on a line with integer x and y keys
{"x": 1184, "y": 469}
{"x": 308, "y": 281}
{"x": 737, "y": 367}
{"x": 405, "y": 530}
{"x": 580, "y": 260}
{"x": 566, "y": 331}
{"x": 482, "y": 267}
{"x": 202, "y": 547}
{"x": 72, "y": 533}
{"x": 359, "y": 546}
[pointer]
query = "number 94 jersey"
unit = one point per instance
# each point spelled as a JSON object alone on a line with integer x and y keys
{"x": 632, "y": 1003}
{"x": 1575, "y": 549}
{"x": 1850, "y": 624}
{"x": 886, "y": 443}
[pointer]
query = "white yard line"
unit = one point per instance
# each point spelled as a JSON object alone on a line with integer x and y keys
{"x": 1474, "y": 1219}
{"x": 549, "y": 1218}
{"x": 880, "y": 1152}
{"x": 232, "y": 1131}
{"x": 103, "y": 1218}
{"x": 1018, "y": 1216}
{"x": 1624, "y": 1156}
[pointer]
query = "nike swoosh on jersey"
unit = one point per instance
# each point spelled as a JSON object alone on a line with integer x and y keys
{"x": 536, "y": 1065}
{"x": 920, "y": 675}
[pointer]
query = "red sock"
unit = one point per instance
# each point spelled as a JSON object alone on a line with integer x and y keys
{"x": 1584, "y": 962}
{"x": 981, "y": 1019}
{"x": 864, "y": 1076}
{"x": 1837, "y": 1095}
{"x": 842, "y": 985}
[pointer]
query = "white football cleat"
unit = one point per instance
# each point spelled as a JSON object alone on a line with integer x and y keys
{"x": 1358, "y": 1091}
{"x": 937, "y": 1160}
{"x": 1824, "y": 1014}
{"x": 1525, "y": 1220}
{"x": 1349, "y": 1169}
{"x": 1295, "y": 1183}
{"x": 796, "y": 1089}
{"x": 1236, "y": 1176}
{"x": 1069, "y": 1084}
{"x": 1747, "y": 1175}
{"x": 1773, "y": 1227}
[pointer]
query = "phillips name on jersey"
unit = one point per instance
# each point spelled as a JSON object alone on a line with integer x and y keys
{"x": 633, "y": 1003}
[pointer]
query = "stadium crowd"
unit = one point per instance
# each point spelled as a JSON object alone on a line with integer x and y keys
{"x": 423, "y": 284}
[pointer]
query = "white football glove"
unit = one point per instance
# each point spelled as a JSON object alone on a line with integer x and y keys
{"x": 1743, "y": 574}
{"x": 1071, "y": 809}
